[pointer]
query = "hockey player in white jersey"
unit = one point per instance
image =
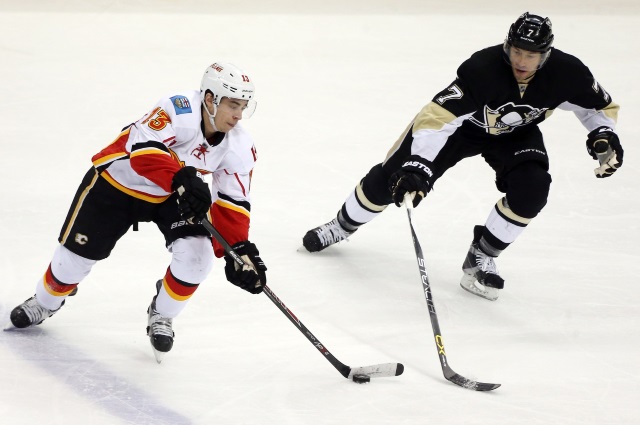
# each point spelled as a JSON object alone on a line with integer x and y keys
{"x": 153, "y": 172}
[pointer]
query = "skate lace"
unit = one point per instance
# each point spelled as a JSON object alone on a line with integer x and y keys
{"x": 486, "y": 263}
{"x": 34, "y": 311}
{"x": 331, "y": 233}
{"x": 160, "y": 325}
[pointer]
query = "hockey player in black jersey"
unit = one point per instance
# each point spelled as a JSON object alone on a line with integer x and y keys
{"x": 493, "y": 109}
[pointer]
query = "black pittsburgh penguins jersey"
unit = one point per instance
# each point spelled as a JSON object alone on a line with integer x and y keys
{"x": 486, "y": 102}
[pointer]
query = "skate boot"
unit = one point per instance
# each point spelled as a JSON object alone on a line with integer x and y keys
{"x": 480, "y": 276}
{"x": 326, "y": 235}
{"x": 159, "y": 330}
{"x": 31, "y": 313}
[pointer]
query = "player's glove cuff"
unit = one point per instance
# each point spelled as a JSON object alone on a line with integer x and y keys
{"x": 194, "y": 196}
{"x": 251, "y": 276}
{"x": 414, "y": 177}
{"x": 604, "y": 145}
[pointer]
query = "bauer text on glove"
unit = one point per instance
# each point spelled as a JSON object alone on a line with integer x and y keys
{"x": 251, "y": 276}
{"x": 603, "y": 144}
{"x": 414, "y": 177}
{"x": 194, "y": 198}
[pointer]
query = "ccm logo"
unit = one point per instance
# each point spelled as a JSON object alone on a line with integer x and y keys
{"x": 418, "y": 164}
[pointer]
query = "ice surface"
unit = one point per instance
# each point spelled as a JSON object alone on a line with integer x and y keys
{"x": 335, "y": 88}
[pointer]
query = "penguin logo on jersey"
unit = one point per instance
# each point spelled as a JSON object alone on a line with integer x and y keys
{"x": 507, "y": 117}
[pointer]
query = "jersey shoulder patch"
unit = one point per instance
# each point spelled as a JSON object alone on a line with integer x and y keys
{"x": 181, "y": 105}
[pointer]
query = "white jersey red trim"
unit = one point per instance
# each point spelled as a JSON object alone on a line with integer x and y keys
{"x": 143, "y": 159}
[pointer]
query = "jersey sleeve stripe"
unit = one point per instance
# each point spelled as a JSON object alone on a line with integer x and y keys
{"x": 150, "y": 151}
{"x": 131, "y": 192}
{"x": 116, "y": 150}
{"x": 240, "y": 207}
{"x": 99, "y": 162}
{"x": 244, "y": 192}
{"x": 149, "y": 145}
{"x": 433, "y": 117}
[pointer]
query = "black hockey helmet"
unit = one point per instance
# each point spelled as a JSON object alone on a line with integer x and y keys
{"x": 531, "y": 32}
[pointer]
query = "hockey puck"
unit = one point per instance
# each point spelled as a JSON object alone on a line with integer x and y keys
{"x": 361, "y": 379}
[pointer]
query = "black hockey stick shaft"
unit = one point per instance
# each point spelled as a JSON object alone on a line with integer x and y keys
{"x": 385, "y": 369}
{"x": 449, "y": 374}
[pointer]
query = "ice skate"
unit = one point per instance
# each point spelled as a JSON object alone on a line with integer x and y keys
{"x": 30, "y": 313}
{"x": 326, "y": 235}
{"x": 480, "y": 276}
{"x": 159, "y": 330}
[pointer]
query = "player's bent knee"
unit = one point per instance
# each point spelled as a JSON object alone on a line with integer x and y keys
{"x": 375, "y": 186}
{"x": 68, "y": 267}
{"x": 192, "y": 258}
{"x": 528, "y": 189}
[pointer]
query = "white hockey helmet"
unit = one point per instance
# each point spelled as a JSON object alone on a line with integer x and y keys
{"x": 227, "y": 80}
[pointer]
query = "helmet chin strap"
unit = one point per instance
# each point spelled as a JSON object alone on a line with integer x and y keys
{"x": 212, "y": 116}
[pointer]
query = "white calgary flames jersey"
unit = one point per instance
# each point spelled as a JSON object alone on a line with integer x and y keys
{"x": 146, "y": 155}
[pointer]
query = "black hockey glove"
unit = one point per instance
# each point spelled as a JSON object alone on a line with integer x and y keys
{"x": 604, "y": 145}
{"x": 413, "y": 177}
{"x": 194, "y": 198}
{"x": 251, "y": 277}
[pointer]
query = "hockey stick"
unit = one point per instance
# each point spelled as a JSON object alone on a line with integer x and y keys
{"x": 375, "y": 371}
{"x": 449, "y": 374}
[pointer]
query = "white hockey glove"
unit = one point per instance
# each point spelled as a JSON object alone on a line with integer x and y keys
{"x": 604, "y": 145}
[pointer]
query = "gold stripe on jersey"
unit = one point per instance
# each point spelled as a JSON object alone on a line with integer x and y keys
{"x": 225, "y": 204}
{"x": 109, "y": 158}
{"x": 83, "y": 195}
{"x": 148, "y": 151}
{"x": 432, "y": 117}
{"x": 611, "y": 111}
{"x": 134, "y": 193}
{"x": 398, "y": 142}
{"x": 114, "y": 151}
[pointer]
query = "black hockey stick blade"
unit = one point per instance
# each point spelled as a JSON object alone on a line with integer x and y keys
{"x": 448, "y": 373}
{"x": 469, "y": 384}
{"x": 374, "y": 371}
